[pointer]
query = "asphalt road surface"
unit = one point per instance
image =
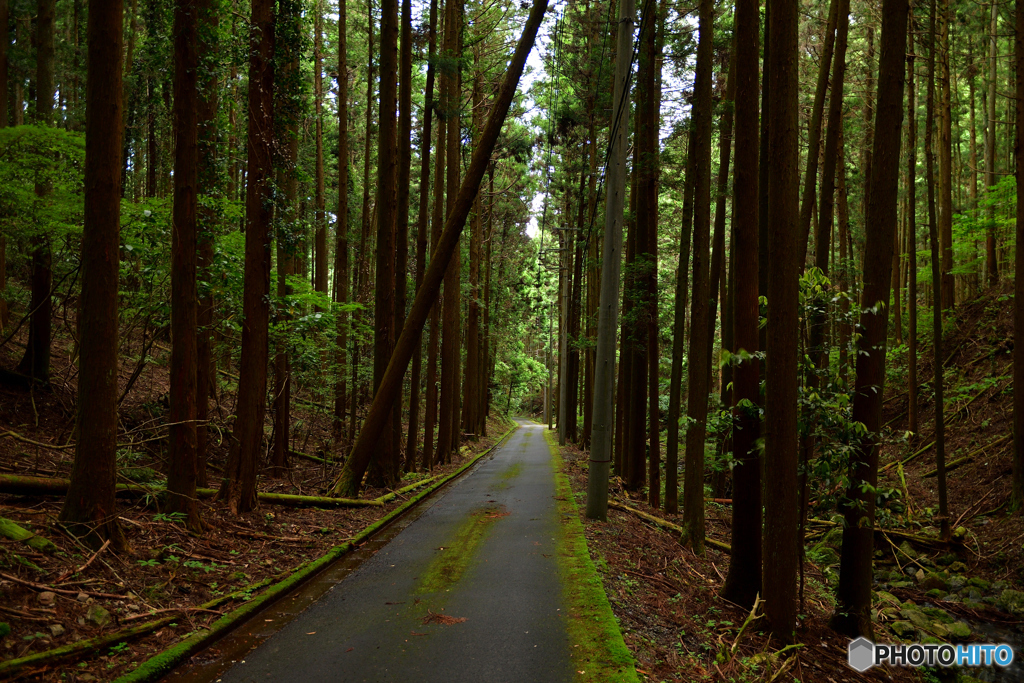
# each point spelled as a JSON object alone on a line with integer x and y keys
{"x": 470, "y": 591}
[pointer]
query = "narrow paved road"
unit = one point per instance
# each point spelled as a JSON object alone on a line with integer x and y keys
{"x": 470, "y": 591}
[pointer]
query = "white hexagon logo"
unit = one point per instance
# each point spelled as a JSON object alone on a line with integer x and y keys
{"x": 861, "y": 654}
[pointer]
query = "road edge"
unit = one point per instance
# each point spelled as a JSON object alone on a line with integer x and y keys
{"x": 602, "y": 653}
{"x": 163, "y": 662}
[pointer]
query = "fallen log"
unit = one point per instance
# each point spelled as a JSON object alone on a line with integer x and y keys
{"x": 970, "y": 456}
{"x": 54, "y": 486}
{"x": 411, "y": 487}
{"x": 15, "y": 532}
{"x": 664, "y": 523}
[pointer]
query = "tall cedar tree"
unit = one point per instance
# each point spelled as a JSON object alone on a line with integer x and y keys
{"x": 781, "y": 512}
{"x": 90, "y": 507}
{"x": 743, "y": 582}
{"x": 36, "y": 361}
{"x": 391, "y": 386}
{"x": 935, "y": 242}
{"x": 341, "y": 257}
{"x": 1018, "y": 284}
{"x": 383, "y": 470}
{"x": 648, "y": 119}
{"x": 4, "y": 43}
{"x": 853, "y": 612}
{"x": 697, "y": 392}
{"x": 911, "y": 247}
{"x": 421, "y": 242}
{"x": 404, "y": 164}
{"x": 181, "y": 477}
{"x": 404, "y": 152}
{"x": 240, "y": 485}
{"x": 320, "y": 215}
{"x": 209, "y": 176}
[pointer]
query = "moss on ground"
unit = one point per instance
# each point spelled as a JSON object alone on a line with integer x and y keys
{"x": 597, "y": 648}
{"x": 452, "y": 561}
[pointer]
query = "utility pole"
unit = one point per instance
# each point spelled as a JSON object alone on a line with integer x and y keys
{"x": 611, "y": 267}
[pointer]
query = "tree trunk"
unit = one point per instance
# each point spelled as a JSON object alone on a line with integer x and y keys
{"x": 945, "y": 185}
{"x": 391, "y": 385}
{"x": 675, "y": 391}
{"x": 421, "y": 239}
{"x": 781, "y": 377}
{"x": 433, "y": 342}
{"x": 814, "y": 130}
{"x": 912, "y": 239}
{"x": 89, "y": 507}
{"x": 853, "y": 612}
{"x": 181, "y": 477}
{"x": 471, "y": 376}
{"x": 252, "y": 385}
{"x": 341, "y": 258}
{"x": 991, "y": 265}
{"x": 402, "y": 220}
{"x": 697, "y": 392}
{"x": 743, "y": 583}
{"x": 4, "y": 24}
{"x": 320, "y": 215}
{"x": 36, "y": 361}
{"x": 934, "y": 232}
{"x": 384, "y": 468}
{"x": 1017, "y": 493}
{"x": 611, "y": 265}
{"x": 447, "y": 438}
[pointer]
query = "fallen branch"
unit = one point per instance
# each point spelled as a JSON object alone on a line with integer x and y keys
{"x": 314, "y": 458}
{"x": 970, "y": 456}
{"x": 87, "y": 562}
{"x": 24, "y": 439}
{"x": 921, "y": 540}
{"x": 724, "y": 547}
{"x": 57, "y": 654}
{"x": 62, "y": 591}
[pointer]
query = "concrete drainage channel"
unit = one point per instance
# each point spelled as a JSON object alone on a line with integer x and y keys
{"x": 217, "y": 656}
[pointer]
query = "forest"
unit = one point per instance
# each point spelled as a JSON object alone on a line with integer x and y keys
{"x": 268, "y": 268}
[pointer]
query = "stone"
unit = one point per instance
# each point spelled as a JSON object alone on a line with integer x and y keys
{"x": 86, "y": 677}
{"x": 916, "y": 617}
{"x": 933, "y": 580}
{"x": 957, "y": 582}
{"x": 46, "y": 598}
{"x": 939, "y": 614}
{"x": 936, "y": 593}
{"x": 98, "y": 615}
{"x": 959, "y": 630}
{"x": 886, "y": 598}
{"x": 958, "y": 568}
{"x": 907, "y": 551}
{"x": 978, "y": 583}
{"x": 82, "y": 597}
{"x": 825, "y": 556}
{"x": 919, "y": 575}
{"x": 939, "y": 630}
{"x": 903, "y": 629}
{"x": 973, "y": 594}
{"x": 1012, "y": 601}
{"x": 56, "y": 630}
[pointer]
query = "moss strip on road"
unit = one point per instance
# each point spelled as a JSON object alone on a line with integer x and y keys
{"x": 598, "y": 651}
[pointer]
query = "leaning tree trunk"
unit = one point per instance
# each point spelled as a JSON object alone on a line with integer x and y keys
{"x": 1017, "y": 496}
{"x": 89, "y": 507}
{"x": 391, "y": 385}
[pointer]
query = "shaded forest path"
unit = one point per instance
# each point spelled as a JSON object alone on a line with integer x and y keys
{"x": 472, "y": 590}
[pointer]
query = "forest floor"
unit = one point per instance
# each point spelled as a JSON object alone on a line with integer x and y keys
{"x": 679, "y": 629}
{"x": 48, "y": 600}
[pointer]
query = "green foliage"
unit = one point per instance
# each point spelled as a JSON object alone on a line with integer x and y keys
{"x": 41, "y": 191}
